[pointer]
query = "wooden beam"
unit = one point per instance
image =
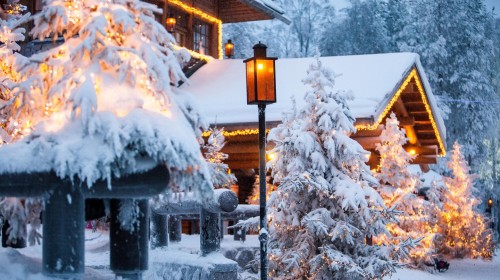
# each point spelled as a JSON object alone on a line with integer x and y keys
{"x": 422, "y": 150}
{"x": 368, "y": 143}
{"x": 406, "y": 121}
{"x": 243, "y": 138}
{"x": 241, "y": 164}
{"x": 242, "y": 157}
{"x": 425, "y": 131}
{"x": 424, "y": 160}
{"x": 428, "y": 142}
{"x": 419, "y": 113}
{"x": 241, "y": 148}
{"x": 374, "y": 160}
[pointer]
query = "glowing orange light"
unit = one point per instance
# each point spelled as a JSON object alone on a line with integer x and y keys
{"x": 171, "y": 22}
{"x": 271, "y": 156}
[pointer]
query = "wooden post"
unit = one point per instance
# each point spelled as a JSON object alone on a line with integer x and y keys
{"x": 63, "y": 233}
{"x": 129, "y": 248}
{"x": 159, "y": 230}
{"x": 209, "y": 232}
{"x": 174, "y": 228}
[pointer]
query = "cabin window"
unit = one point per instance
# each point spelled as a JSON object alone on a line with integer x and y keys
{"x": 201, "y": 37}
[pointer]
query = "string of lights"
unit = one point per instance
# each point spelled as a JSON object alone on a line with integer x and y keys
{"x": 412, "y": 76}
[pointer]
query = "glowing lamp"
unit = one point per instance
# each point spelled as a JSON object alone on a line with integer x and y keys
{"x": 413, "y": 152}
{"x": 229, "y": 49}
{"x": 490, "y": 202}
{"x": 271, "y": 156}
{"x": 261, "y": 77}
{"x": 171, "y": 22}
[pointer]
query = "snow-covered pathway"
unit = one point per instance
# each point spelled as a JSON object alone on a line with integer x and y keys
{"x": 26, "y": 263}
{"x": 466, "y": 269}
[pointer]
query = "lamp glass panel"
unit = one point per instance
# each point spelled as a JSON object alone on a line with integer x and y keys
{"x": 251, "y": 95}
{"x": 265, "y": 81}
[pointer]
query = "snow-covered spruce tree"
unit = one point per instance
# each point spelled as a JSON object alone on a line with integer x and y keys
{"x": 103, "y": 103}
{"x": 399, "y": 188}
{"x": 452, "y": 39}
{"x": 362, "y": 31}
{"x": 325, "y": 206}
{"x": 221, "y": 176}
{"x": 465, "y": 232}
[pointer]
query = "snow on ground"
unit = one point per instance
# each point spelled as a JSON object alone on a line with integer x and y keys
{"x": 21, "y": 264}
{"x": 466, "y": 269}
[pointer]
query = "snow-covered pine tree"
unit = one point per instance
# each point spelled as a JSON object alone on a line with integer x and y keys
{"x": 325, "y": 206}
{"x": 465, "y": 232}
{"x": 396, "y": 17}
{"x": 453, "y": 43}
{"x": 362, "y": 31}
{"x": 399, "y": 188}
{"x": 104, "y": 102}
{"x": 243, "y": 35}
{"x": 221, "y": 176}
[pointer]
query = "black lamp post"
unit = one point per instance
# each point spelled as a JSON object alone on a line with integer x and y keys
{"x": 229, "y": 49}
{"x": 261, "y": 90}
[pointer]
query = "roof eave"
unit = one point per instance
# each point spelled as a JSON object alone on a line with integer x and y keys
{"x": 270, "y": 11}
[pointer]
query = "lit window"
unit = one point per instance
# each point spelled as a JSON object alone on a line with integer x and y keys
{"x": 201, "y": 37}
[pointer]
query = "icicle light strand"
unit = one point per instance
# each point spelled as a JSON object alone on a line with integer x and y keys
{"x": 413, "y": 75}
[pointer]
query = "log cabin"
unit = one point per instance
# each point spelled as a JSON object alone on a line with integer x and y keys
{"x": 380, "y": 84}
{"x": 198, "y": 23}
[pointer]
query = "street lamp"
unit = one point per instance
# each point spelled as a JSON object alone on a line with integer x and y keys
{"x": 171, "y": 21}
{"x": 229, "y": 49}
{"x": 261, "y": 90}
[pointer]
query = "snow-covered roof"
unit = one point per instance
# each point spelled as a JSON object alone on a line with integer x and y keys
{"x": 269, "y": 7}
{"x": 220, "y": 86}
